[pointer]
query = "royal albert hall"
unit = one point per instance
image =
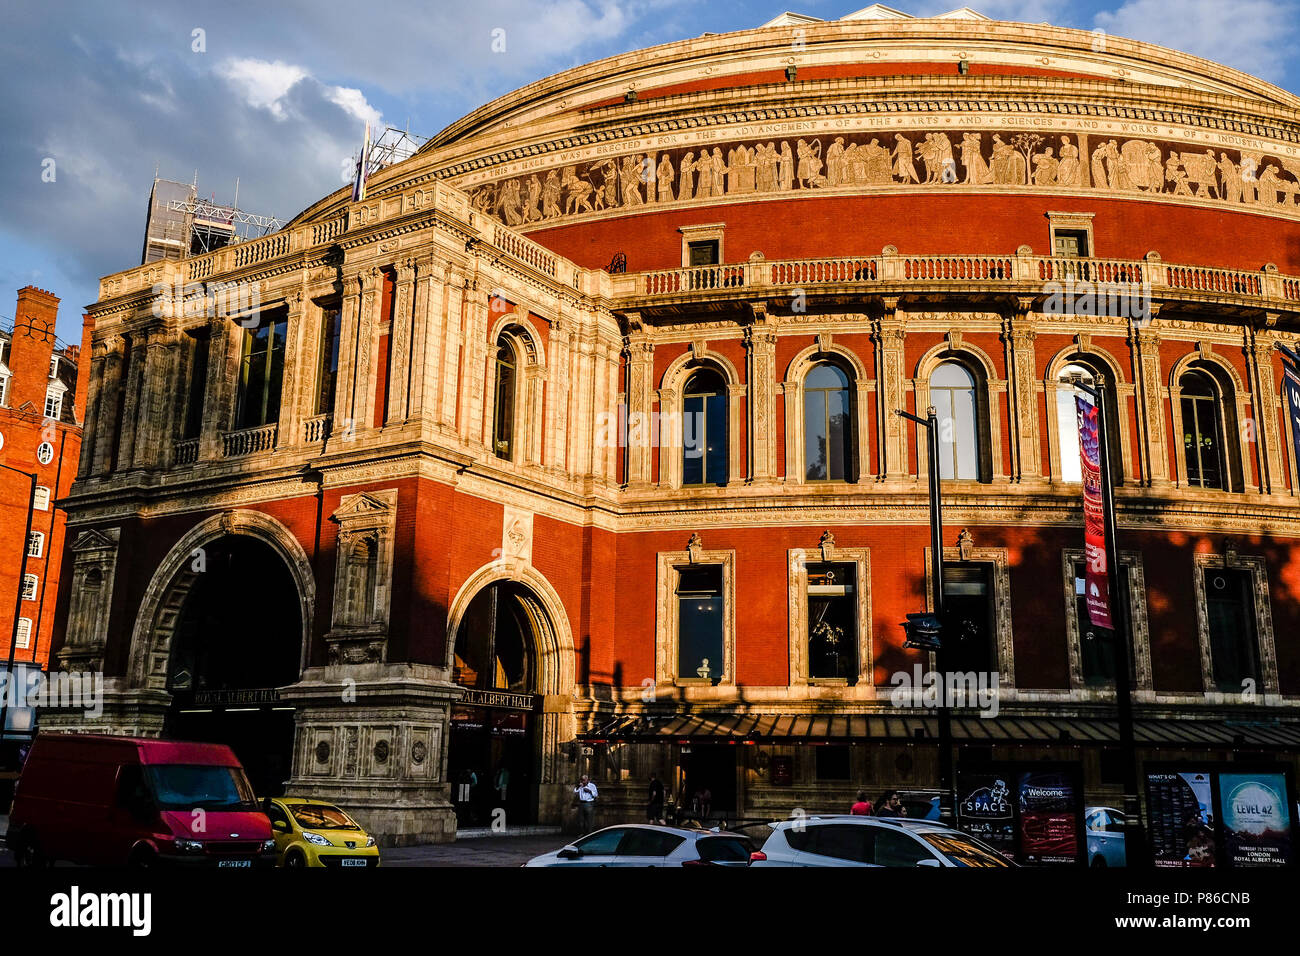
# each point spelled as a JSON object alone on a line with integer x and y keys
{"x": 573, "y": 447}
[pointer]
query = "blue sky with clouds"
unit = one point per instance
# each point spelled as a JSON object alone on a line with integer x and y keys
{"x": 279, "y": 93}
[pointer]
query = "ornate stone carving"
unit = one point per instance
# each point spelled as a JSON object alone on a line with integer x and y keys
{"x": 362, "y": 577}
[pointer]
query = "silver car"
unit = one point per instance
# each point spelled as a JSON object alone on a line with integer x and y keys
{"x": 636, "y": 844}
{"x": 872, "y": 841}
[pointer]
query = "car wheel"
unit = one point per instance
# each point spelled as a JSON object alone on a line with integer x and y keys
{"x": 142, "y": 858}
{"x": 295, "y": 860}
{"x": 1098, "y": 863}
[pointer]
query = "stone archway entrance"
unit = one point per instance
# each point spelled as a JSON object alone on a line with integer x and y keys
{"x": 512, "y": 654}
{"x": 237, "y": 640}
{"x": 222, "y": 628}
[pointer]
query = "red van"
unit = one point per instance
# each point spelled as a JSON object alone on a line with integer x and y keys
{"x": 124, "y": 800}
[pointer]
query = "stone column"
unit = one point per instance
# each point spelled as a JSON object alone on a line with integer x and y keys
{"x": 1145, "y": 345}
{"x": 133, "y": 385}
{"x": 1018, "y": 339}
{"x": 297, "y": 368}
{"x": 640, "y": 405}
{"x": 889, "y": 335}
{"x": 363, "y": 382}
{"x": 557, "y": 399}
{"x": 96, "y": 409}
{"x": 427, "y": 337}
{"x": 399, "y": 348}
{"x": 345, "y": 424}
{"x": 475, "y": 371}
{"x": 760, "y": 377}
{"x": 157, "y": 402}
{"x": 1272, "y": 475}
{"x": 448, "y": 411}
{"x": 225, "y": 340}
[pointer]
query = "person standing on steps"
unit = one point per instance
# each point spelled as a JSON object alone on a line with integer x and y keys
{"x": 586, "y": 793}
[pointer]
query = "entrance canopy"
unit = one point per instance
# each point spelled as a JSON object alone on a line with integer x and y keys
{"x": 822, "y": 728}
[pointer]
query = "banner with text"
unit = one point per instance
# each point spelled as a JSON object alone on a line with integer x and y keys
{"x": 1096, "y": 581}
{"x": 1291, "y": 385}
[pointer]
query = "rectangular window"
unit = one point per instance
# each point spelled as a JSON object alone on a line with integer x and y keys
{"x": 1070, "y": 243}
{"x": 331, "y": 327}
{"x": 261, "y": 371}
{"x": 35, "y": 544}
{"x": 832, "y": 762}
{"x": 832, "y": 622}
{"x": 1097, "y": 645}
{"x": 42, "y": 500}
{"x": 24, "y": 632}
{"x": 1230, "y": 611}
{"x": 198, "y": 384}
{"x": 967, "y": 632}
{"x": 54, "y": 367}
{"x": 4, "y": 389}
{"x": 703, "y": 253}
{"x": 700, "y": 623}
{"x": 53, "y": 404}
{"x": 30, "y": 584}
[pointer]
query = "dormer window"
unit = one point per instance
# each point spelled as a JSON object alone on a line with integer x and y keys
{"x": 54, "y": 403}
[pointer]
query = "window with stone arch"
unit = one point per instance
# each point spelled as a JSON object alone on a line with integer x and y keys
{"x": 505, "y": 392}
{"x": 705, "y": 445}
{"x": 363, "y": 566}
{"x": 1084, "y": 369}
{"x": 828, "y": 423}
{"x": 1207, "y": 409}
{"x": 955, "y": 397}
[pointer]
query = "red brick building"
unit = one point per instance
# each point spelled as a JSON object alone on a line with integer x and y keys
{"x": 572, "y": 446}
{"x": 41, "y": 410}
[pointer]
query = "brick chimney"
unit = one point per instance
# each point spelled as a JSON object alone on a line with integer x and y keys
{"x": 31, "y": 348}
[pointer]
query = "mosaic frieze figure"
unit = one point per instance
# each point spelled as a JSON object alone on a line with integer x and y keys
{"x": 1025, "y": 159}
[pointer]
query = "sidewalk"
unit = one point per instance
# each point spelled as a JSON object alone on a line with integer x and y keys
{"x": 507, "y": 850}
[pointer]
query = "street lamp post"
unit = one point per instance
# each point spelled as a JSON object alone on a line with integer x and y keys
{"x": 931, "y": 424}
{"x": 18, "y": 596}
{"x": 1134, "y": 833}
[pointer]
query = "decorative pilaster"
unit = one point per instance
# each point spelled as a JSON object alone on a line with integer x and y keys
{"x": 363, "y": 385}
{"x": 1018, "y": 339}
{"x": 1145, "y": 345}
{"x": 224, "y": 338}
{"x": 345, "y": 381}
{"x": 640, "y": 401}
{"x": 1259, "y": 354}
{"x": 474, "y": 370}
{"x": 296, "y": 369}
{"x": 889, "y": 335}
{"x": 399, "y": 365}
{"x": 455, "y": 325}
{"x": 427, "y": 336}
{"x": 132, "y": 404}
{"x": 560, "y": 341}
{"x": 760, "y": 377}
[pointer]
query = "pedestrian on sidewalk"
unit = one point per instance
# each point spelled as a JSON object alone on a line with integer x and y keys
{"x": 655, "y": 804}
{"x": 586, "y": 793}
{"x": 862, "y": 808}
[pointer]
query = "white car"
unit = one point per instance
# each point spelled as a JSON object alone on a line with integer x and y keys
{"x": 647, "y": 845}
{"x": 872, "y": 841}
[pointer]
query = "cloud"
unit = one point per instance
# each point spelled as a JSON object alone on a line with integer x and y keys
{"x": 1255, "y": 36}
{"x": 262, "y": 84}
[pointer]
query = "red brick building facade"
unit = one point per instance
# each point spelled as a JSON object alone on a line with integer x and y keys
{"x": 573, "y": 447}
{"x": 41, "y": 410}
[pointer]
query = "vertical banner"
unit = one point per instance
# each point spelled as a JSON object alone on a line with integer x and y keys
{"x": 1291, "y": 385}
{"x": 1096, "y": 581}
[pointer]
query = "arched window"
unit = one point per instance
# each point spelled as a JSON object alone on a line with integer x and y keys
{"x": 1067, "y": 419}
{"x": 503, "y": 419}
{"x": 828, "y": 430}
{"x": 362, "y": 569}
{"x": 952, "y": 393}
{"x": 1203, "y": 436}
{"x": 704, "y": 429}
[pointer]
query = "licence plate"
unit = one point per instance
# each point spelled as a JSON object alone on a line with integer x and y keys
{"x": 350, "y": 862}
{"x": 239, "y": 863}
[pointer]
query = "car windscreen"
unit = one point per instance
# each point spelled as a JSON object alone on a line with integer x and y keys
{"x": 315, "y": 816}
{"x": 963, "y": 850}
{"x": 191, "y": 787}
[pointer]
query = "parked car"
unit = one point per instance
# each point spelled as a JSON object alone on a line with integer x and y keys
{"x": 316, "y": 833}
{"x": 648, "y": 845}
{"x": 104, "y": 800}
{"x": 1104, "y": 832}
{"x": 872, "y": 841}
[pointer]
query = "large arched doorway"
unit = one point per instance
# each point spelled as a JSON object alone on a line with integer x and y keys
{"x": 237, "y": 637}
{"x": 493, "y": 756}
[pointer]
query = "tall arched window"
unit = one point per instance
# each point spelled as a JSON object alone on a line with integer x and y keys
{"x": 828, "y": 430}
{"x": 704, "y": 429}
{"x": 1202, "y": 430}
{"x": 503, "y": 418}
{"x": 952, "y": 393}
{"x": 1067, "y": 419}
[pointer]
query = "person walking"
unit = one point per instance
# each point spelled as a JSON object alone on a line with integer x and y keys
{"x": 586, "y": 793}
{"x": 655, "y": 801}
{"x": 862, "y": 808}
{"x": 885, "y": 806}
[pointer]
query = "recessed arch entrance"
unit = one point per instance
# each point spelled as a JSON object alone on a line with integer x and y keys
{"x": 223, "y": 626}
{"x": 511, "y": 650}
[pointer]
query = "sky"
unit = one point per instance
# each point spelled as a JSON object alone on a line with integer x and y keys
{"x": 275, "y": 94}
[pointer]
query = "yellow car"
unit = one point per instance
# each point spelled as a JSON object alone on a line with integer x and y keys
{"x": 316, "y": 833}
